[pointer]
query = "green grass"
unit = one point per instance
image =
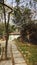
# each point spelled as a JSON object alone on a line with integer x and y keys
{"x": 30, "y": 52}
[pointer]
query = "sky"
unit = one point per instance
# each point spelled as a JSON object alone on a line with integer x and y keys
{"x": 10, "y": 1}
{"x": 24, "y": 3}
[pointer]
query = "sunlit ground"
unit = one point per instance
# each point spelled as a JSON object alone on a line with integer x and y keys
{"x": 12, "y": 37}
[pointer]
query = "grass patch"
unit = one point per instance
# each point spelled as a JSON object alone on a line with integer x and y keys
{"x": 29, "y": 52}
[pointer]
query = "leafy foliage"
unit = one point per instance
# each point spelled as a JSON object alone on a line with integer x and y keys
{"x": 2, "y": 29}
{"x": 1, "y": 1}
{"x": 35, "y": 0}
{"x": 17, "y": 0}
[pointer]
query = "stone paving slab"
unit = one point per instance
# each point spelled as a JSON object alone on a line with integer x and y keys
{"x": 16, "y": 52}
{"x": 17, "y": 56}
{"x": 19, "y": 61}
{"x": 21, "y": 64}
{"x": 7, "y": 62}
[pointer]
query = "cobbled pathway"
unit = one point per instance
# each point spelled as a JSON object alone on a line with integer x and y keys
{"x": 18, "y": 58}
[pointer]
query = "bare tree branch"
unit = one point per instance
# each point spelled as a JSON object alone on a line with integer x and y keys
{"x": 6, "y": 6}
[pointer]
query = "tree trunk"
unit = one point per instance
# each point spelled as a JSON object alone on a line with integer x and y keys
{"x": 7, "y": 35}
{"x": 6, "y": 46}
{"x": 6, "y": 28}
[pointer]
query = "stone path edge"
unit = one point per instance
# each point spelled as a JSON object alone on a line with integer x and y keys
{"x": 12, "y": 58}
{"x": 20, "y": 52}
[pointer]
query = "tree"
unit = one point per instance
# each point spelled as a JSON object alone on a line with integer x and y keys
{"x": 2, "y": 29}
{"x": 34, "y": 2}
{"x": 1, "y": 1}
{"x": 6, "y": 30}
{"x": 22, "y": 19}
{"x": 6, "y": 23}
{"x": 12, "y": 28}
{"x": 17, "y": 1}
